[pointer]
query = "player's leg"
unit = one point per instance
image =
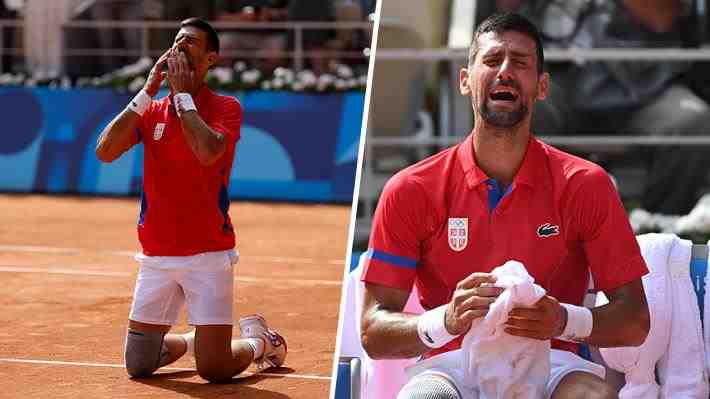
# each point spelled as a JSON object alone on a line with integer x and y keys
{"x": 583, "y": 385}
{"x": 149, "y": 347}
{"x": 572, "y": 377}
{"x": 219, "y": 357}
{"x": 209, "y": 293}
{"x": 156, "y": 304}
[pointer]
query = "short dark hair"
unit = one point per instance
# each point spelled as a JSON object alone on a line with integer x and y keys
{"x": 503, "y": 22}
{"x": 201, "y": 24}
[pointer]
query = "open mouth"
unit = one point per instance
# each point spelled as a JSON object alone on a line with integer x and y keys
{"x": 503, "y": 95}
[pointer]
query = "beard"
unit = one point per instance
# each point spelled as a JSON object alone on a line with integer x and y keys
{"x": 503, "y": 119}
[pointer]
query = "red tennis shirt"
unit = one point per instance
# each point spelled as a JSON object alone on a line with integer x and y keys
{"x": 442, "y": 219}
{"x": 184, "y": 204}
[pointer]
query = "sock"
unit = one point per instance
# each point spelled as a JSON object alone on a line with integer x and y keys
{"x": 257, "y": 345}
{"x": 190, "y": 341}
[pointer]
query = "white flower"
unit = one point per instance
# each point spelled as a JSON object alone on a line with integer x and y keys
{"x": 83, "y": 81}
{"x": 351, "y": 83}
{"x": 144, "y": 64}
{"x": 6, "y": 78}
{"x": 66, "y": 83}
{"x": 284, "y": 73}
{"x": 340, "y": 84}
{"x": 298, "y": 86}
{"x": 279, "y": 83}
{"x": 240, "y": 66}
{"x": 307, "y": 77}
{"x": 266, "y": 85}
{"x": 251, "y": 76}
{"x": 136, "y": 84}
{"x": 223, "y": 74}
{"x": 344, "y": 71}
{"x": 325, "y": 81}
{"x": 30, "y": 83}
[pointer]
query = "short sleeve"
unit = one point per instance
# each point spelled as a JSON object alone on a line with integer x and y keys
{"x": 226, "y": 118}
{"x": 609, "y": 243}
{"x": 141, "y": 128}
{"x": 399, "y": 227}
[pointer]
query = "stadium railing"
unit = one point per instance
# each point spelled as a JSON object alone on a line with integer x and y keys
{"x": 148, "y": 28}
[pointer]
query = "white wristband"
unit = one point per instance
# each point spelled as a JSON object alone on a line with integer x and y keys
{"x": 579, "y": 323}
{"x": 140, "y": 103}
{"x": 183, "y": 103}
{"x": 431, "y": 327}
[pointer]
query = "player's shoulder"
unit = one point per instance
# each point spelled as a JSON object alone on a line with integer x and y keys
{"x": 571, "y": 166}
{"x": 573, "y": 172}
{"x": 225, "y": 102}
{"x": 424, "y": 175}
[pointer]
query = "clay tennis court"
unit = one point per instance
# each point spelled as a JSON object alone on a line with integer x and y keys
{"x": 66, "y": 281}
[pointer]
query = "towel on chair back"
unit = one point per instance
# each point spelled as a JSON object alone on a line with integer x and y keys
{"x": 674, "y": 342}
{"x": 500, "y": 365}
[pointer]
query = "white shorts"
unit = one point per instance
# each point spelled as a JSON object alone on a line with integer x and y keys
{"x": 448, "y": 365}
{"x": 205, "y": 281}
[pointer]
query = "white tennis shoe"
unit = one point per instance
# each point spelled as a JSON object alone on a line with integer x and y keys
{"x": 254, "y": 326}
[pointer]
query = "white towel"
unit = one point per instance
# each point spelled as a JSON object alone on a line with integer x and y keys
{"x": 681, "y": 370}
{"x": 639, "y": 363}
{"x": 500, "y": 365}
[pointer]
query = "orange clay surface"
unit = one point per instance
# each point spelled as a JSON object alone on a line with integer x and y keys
{"x": 67, "y": 276}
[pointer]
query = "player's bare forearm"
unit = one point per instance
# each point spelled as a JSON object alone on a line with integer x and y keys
{"x": 386, "y": 331}
{"x": 207, "y": 145}
{"x": 116, "y": 138}
{"x": 624, "y": 321}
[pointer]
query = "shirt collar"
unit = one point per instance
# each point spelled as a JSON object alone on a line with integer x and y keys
{"x": 532, "y": 172}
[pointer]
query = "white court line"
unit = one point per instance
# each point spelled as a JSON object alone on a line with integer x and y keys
{"x": 58, "y": 363}
{"x": 84, "y": 272}
{"x": 62, "y": 270}
{"x": 73, "y": 251}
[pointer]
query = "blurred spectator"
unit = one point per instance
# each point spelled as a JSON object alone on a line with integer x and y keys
{"x": 43, "y": 36}
{"x": 272, "y": 42}
{"x": 349, "y": 40}
{"x": 9, "y": 10}
{"x": 178, "y": 10}
{"x": 625, "y": 97}
{"x": 119, "y": 38}
{"x": 314, "y": 40}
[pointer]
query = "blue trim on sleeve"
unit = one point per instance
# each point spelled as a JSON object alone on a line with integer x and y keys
{"x": 392, "y": 259}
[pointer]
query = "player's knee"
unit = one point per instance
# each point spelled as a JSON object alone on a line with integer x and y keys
{"x": 597, "y": 389}
{"x": 429, "y": 387}
{"x": 214, "y": 374}
{"x": 603, "y": 391}
{"x": 143, "y": 352}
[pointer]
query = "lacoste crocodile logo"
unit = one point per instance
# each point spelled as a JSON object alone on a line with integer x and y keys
{"x": 548, "y": 230}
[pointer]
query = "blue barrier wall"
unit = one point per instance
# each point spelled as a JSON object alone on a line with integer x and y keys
{"x": 294, "y": 146}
